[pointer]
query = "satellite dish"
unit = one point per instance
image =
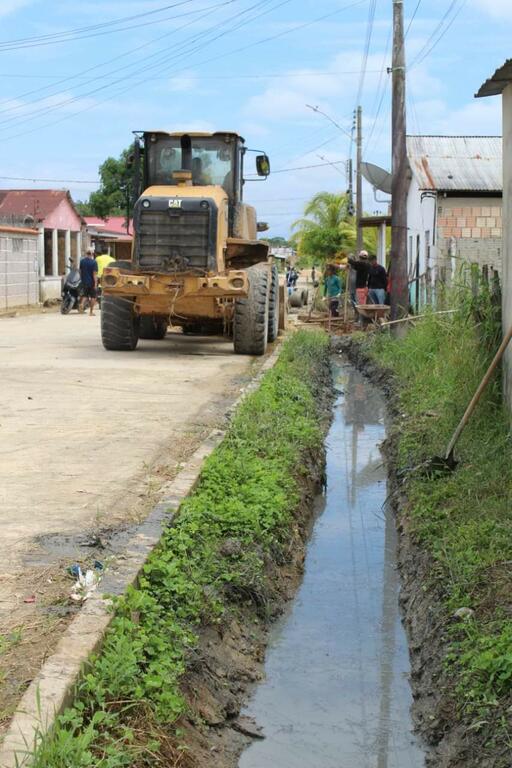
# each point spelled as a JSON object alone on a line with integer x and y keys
{"x": 377, "y": 177}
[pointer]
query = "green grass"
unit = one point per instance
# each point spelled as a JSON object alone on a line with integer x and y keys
{"x": 247, "y": 494}
{"x": 464, "y": 519}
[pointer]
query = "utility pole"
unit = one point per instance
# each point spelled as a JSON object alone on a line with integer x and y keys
{"x": 400, "y": 171}
{"x": 359, "y": 181}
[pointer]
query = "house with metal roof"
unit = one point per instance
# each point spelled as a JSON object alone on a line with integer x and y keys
{"x": 113, "y": 235}
{"x": 59, "y": 225}
{"x": 454, "y": 208}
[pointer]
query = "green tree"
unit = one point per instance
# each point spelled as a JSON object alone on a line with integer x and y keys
{"x": 114, "y": 196}
{"x": 328, "y": 230}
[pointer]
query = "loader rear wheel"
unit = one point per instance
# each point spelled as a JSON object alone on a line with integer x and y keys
{"x": 250, "y": 327}
{"x": 119, "y": 324}
{"x": 153, "y": 327}
{"x": 273, "y": 306}
{"x": 295, "y": 300}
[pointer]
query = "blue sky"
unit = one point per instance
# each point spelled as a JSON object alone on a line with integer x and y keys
{"x": 67, "y": 103}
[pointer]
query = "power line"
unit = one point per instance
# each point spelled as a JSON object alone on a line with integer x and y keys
{"x": 366, "y": 51}
{"x": 19, "y": 120}
{"x": 260, "y": 76}
{"x": 386, "y": 83}
{"x": 204, "y": 61}
{"x": 303, "y": 167}
{"x": 49, "y": 181}
{"x": 426, "y": 50}
{"x": 74, "y": 35}
{"x": 130, "y": 52}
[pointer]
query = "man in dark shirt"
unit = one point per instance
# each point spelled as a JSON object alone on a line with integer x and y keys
{"x": 361, "y": 267}
{"x": 377, "y": 282}
{"x": 89, "y": 276}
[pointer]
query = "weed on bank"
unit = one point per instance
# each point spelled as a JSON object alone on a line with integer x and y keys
{"x": 248, "y": 492}
{"x": 463, "y": 519}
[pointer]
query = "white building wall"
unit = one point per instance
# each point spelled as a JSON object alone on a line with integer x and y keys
{"x": 507, "y": 236}
{"x": 421, "y": 236}
{"x": 19, "y": 270}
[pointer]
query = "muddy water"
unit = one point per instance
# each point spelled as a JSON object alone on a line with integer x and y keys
{"x": 336, "y": 693}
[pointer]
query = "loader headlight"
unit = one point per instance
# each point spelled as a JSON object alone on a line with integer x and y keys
{"x": 204, "y": 204}
{"x": 146, "y": 203}
{"x": 237, "y": 282}
{"x": 109, "y": 279}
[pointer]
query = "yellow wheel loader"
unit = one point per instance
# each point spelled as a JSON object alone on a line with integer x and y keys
{"x": 196, "y": 260}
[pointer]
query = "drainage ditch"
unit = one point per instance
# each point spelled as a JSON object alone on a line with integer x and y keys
{"x": 336, "y": 692}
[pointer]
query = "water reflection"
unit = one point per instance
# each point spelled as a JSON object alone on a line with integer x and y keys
{"x": 336, "y": 693}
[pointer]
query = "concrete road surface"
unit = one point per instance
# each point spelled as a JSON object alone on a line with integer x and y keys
{"x": 87, "y": 436}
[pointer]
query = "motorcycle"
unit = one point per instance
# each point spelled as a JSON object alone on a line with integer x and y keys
{"x": 71, "y": 291}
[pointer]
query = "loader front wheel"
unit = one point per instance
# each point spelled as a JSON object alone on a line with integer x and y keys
{"x": 153, "y": 327}
{"x": 250, "y": 327}
{"x": 119, "y": 324}
{"x": 273, "y": 306}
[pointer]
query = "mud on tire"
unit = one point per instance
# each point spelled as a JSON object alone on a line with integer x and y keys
{"x": 119, "y": 324}
{"x": 273, "y": 306}
{"x": 153, "y": 327}
{"x": 250, "y": 327}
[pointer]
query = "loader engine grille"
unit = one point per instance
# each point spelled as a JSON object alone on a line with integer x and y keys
{"x": 174, "y": 240}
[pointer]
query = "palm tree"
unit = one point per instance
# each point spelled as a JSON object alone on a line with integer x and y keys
{"x": 328, "y": 229}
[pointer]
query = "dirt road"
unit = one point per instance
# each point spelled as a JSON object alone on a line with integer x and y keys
{"x": 87, "y": 437}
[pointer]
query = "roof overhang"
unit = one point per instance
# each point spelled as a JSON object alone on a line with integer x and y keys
{"x": 498, "y": 82}
{"x": 375, "y": 221}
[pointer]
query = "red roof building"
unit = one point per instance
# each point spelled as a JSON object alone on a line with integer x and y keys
{"x": 59, "y": 225}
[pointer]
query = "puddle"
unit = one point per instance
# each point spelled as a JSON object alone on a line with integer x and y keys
{"x": 336, "y": 693}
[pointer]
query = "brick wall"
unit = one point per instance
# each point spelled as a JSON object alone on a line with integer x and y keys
{"x": 470, "y": 229}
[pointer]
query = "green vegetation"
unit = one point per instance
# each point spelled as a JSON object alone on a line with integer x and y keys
{"x": 130, "y": 699}
{"x": 114, "y": 197}
{"x": 463, "y": 519}
{"x": 328, "y": 230}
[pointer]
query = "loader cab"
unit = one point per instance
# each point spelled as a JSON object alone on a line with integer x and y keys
{"x": 205, "y": 159}
{"x": 211, "y": 159}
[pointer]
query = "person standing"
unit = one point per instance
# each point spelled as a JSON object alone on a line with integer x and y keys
{"x": 361, "y": 267}
{"x": 377, "y": 282}
{"x": 332, "y": 290}
{"x": 313, "y": 274}
{"x": 89, "y": 277}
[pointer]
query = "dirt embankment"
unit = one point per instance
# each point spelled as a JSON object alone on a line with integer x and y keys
{"x": 452, "y": 744}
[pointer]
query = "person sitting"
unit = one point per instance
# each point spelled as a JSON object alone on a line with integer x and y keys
{"x": 199, "y": 178}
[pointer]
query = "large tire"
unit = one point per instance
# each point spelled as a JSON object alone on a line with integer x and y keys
{"x": 119, "y": 324}
{"x": 153, "y": 327}
{"x": 273, "y": 306}
{"x": 250, "y": 327}
{"x": 66, "y": 304}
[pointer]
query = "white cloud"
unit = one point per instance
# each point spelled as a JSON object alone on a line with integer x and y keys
{"x": 186, "y": 81}
{"x": 498, "y": 9}
{"x": 12, "y": 6}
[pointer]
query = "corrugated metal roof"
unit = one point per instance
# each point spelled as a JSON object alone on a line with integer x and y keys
{"x": 498, "y": 82}
{"x": 457, "y": 163}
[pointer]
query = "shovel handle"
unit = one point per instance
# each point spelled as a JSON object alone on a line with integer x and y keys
{"x": 478, "y": 394}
